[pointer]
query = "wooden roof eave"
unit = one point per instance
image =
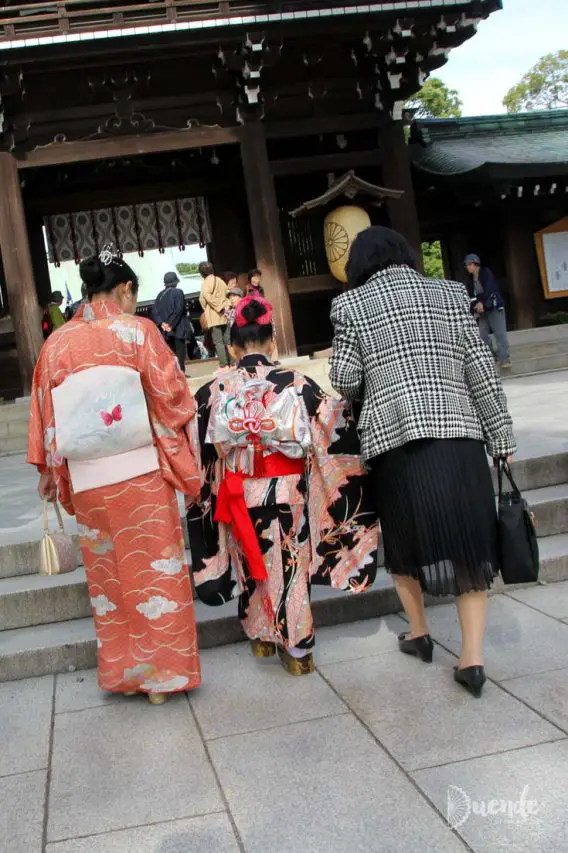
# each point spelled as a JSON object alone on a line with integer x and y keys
{"x": 492, "y": 172}
{"x": 350, "y": 186}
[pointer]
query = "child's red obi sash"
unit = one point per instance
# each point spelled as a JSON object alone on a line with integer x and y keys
{"x": 232, "y": 509}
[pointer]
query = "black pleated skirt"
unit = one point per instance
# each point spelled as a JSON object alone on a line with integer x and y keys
{"x": 438, "y": 516}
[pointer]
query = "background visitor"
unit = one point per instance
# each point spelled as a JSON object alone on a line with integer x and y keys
{"x": 488, "y": 306}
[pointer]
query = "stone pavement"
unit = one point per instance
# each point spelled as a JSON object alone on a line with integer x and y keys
{"x": 538, "y": 404}
{"x": 361, "y": 757}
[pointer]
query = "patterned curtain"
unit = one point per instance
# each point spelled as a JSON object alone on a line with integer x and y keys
{"x": 130, "y": 228}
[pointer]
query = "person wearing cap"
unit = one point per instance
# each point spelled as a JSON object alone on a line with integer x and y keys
{"x": 170, "y": 316}
{"x": 234, "y": 294}
{"x": 488, "y": 306}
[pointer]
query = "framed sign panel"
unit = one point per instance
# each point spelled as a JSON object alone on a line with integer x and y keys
{"x": 552, "y": 252}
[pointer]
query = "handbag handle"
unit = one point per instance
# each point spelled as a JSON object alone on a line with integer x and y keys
{"x": 505, "y": 468}
{"x": 46, "y": 517}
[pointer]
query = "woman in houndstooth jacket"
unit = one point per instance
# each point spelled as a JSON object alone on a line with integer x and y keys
{"x": 407, "y": 349}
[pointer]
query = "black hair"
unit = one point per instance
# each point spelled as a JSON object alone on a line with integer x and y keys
{"x": 229, "y": 276}
{"x": 252, "y": 334}
{"x": 104, "y": 278}
{"x": 375, "y": 249}
{"x": 252, "y": 273}
{"x": 205, "y": 269}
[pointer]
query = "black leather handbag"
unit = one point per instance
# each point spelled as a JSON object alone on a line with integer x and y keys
{"x": 517, "y": 542}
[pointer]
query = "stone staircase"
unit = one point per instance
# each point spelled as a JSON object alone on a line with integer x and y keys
{"x": 45, "y": 623}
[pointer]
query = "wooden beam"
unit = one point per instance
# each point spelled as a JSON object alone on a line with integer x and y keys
{"x": 266, "y": 233}
{"x": 95, "y": 199}
{"x": 314, "y": 284}
{"x": 317, "y": 125}
{"x": 128, "y": 146}
{"x": 18, "y": 271}
{"x": 326, "y": 162}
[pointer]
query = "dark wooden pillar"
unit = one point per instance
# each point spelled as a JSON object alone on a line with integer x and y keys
{"x": 397, "y": 175}
{"x": 266, "y": 234}
{"x": 18, "y": 270}
{"x": 457, "y": 247}
{"x": 522, "y": 272}
{"x": 232, "y": 247}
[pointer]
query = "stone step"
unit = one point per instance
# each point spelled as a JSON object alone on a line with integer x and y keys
{"x": 40, "y": 600}
{"x": 550, "y": 506}
{"x": 14, "y": 420}
{"x": 547, "y": 348}
{"x": 35, "y": 600}
{"x": 532, "y": 366}
{"x": 70, "y": 645}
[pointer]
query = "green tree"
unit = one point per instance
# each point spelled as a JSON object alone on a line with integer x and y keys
{"x": 432, "y": 257}
{"x": 544, "y": 87}
{"x": 436, "y": 100}
{"x": 187, "y": 269}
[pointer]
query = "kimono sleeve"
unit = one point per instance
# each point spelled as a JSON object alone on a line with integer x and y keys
{"x": 344, "y": 527}
{"x": 210, "y": 561}
{"x": 42, "y": 422}
{"x": 42, "y": 450}
{"x": 171, "y": 408}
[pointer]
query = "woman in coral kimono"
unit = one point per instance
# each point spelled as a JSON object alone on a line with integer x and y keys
{"x": 283, "y": 502}
{"x": 108, "y": 434}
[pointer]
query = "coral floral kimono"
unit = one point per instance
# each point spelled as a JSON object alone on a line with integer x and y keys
{"x": 285, "y": 502}
{"x": 130, "y": 530}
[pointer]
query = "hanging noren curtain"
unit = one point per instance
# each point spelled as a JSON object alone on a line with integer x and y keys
{"x": 130, "y": 228}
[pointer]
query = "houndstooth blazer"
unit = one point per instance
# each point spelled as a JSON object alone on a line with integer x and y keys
{"x": 409, "y": 348}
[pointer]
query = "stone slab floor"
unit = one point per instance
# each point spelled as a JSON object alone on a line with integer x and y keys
{"x": 371, "y": 753}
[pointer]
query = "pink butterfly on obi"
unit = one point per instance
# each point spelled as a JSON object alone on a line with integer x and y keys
{"x": 110, "y": 417}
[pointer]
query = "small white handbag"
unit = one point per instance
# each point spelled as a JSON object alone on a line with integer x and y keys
{"x": 57, "y": 551}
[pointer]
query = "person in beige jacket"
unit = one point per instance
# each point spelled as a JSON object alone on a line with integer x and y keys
{"x": 213, "y": 299}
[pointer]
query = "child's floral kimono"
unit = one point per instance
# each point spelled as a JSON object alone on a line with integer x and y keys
{"x": 109, "y": 415}
{"x": 282, "y": 475}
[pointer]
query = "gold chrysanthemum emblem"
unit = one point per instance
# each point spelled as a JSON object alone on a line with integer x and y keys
{"x": 336, "y": 241}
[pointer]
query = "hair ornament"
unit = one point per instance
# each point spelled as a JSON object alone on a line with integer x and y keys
{"x": 108, "y": 255}
{"x": 266, "y": 318}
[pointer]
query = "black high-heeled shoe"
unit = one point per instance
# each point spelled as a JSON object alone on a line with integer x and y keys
{"x": 472, "y": 678}
{"x": 418, "y": 647}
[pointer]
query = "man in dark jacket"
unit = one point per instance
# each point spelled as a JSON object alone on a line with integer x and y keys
{"x": 488, "y": 306}
{"x": 170, "y": 315}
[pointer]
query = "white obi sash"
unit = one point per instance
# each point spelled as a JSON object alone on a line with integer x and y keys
{"x": 102, "y": 427}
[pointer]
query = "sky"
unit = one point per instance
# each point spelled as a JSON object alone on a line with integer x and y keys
{"x": 505, "y": 47}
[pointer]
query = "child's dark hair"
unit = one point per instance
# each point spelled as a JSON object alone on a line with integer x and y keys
{"x": 104, "y": 278}
{"x": 253, "y": 273}
{"x": 253, "y": 333}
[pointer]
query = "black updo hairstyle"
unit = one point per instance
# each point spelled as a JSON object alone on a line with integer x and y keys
{"x": 104, "y": 278}
{"x": 374, "y": 250}
{"x": 252, "y": 334}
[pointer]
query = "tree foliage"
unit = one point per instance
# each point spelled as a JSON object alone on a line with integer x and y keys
{"x": 187, "y": 269}
{"x": 436, "y": 100}
{"x": 544, "y": 87}
{"x": 432, "y": 257}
